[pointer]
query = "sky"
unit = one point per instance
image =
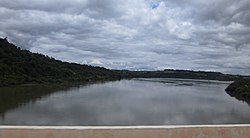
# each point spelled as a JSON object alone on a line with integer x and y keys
{"x": 209, "y": 35}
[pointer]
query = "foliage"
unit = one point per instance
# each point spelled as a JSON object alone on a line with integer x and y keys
{"x": 184, "y": 74}
{"x": 19, "y": 66}
{"x": 240, "y": 89}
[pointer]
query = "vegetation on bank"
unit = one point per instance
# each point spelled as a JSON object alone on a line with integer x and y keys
{"x": 240, "y": 89}
{"x": 20, "y": 66}
{"x": 183, "y": 74}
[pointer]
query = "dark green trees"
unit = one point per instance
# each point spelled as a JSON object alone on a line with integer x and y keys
{"x": 19, "y": 66}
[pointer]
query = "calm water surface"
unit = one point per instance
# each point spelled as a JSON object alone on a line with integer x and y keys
{"x": 126, "y": 102}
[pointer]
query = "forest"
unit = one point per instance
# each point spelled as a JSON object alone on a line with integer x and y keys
{"x": 20, "y": 66}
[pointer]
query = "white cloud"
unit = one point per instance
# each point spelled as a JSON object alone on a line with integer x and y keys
{"x": 96, "y": 62}
{"x": 134, "y": 34}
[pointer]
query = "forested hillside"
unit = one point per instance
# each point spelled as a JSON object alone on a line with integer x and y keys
{"x": 18, "y": 66}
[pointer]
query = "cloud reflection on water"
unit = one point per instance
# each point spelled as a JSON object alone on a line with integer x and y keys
{"x": 134, "y": 102}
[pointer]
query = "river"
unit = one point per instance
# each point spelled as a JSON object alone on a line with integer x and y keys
{"x": 141, "y": 101}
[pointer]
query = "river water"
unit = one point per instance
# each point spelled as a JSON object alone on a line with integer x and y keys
{"x": 154, "y": 101}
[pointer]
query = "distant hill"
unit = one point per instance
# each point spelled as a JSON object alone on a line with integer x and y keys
{"x": 184, "y": 74}
{"x": 19, "y": 66}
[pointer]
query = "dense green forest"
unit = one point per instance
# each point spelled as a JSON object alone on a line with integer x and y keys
{"x": 20, "y": 66}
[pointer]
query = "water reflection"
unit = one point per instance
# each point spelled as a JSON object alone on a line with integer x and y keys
{"x": 240, "y": 97}
{"x": 134, "y": 102}
{"x": 16, "y": 97}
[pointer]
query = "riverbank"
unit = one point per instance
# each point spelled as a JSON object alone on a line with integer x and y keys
{"x": 240, "y": 89}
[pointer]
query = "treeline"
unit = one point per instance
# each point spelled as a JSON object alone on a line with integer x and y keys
{"x": 184, "y": 74}
{"x": 18, "y": 66}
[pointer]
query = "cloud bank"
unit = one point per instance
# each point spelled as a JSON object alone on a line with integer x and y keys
{"x": 134, "y": 34}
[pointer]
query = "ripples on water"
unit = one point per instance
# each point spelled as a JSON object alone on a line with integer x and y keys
{"x": 127, "y": 102}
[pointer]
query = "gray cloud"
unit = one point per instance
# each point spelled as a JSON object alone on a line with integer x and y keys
{"x": 183, "y": 34}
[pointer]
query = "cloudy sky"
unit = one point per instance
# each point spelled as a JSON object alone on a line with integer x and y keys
{"x": 134, "y": 34}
